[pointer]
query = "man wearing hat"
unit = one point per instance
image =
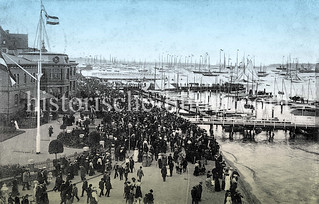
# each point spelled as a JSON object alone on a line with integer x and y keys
{"x": 164, "y": 173}
{"x": 194, "y": 194}
{"x": 199, "y": 190}
{"x": 26, "y": 179}
{"x": 149, "y": 198}
{"x": 140, "y": 173}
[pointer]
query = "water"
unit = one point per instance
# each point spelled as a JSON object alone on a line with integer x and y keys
{"x": 279, "y": 172}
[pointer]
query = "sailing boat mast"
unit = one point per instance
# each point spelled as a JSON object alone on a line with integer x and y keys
{"x": 308, "y": 91}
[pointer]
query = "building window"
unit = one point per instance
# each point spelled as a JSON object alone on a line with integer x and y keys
{"x": 3, "y": 42}
{"x": 56, "y": 74}
{"x": 25, "y": 78}
{"x": 18, "y": 79}
{"x": 16, "y": 99}
{"x": 67, "y": 74}
{"x": 32, "y": 79}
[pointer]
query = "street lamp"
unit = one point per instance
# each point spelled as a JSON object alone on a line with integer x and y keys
{"x": 129, "y": 134}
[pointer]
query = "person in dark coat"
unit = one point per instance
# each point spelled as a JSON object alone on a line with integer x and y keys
{"x": 16, "y": 200}
{"x": 149, "y": 198}
{"x": 89, "y": 193}
{"x": 75, "y": 192}
{"x": 126, "y": 171}
{"x": 131, "y": 164}
{"x": 164, "y": 173}
{"x": 116, "y": 168}
{"x": 15, "y": 190}
{"x": 50, "y": 131}
{"x": 159, "y": 161}
{"x": 58, "y": 183}
{"x": 101, "y": 187}
{"x": 84, "y": 186}
{"x": 108, "y": 187}
{"x": 25, "y": 199}
{"x": 121, "y": 171}
{"x": 138, "y": 192}
{"x": 217, "y": 184}
{"x": 199, "y": 190}
{"x": 82, "y": 172}
{"x": 171, "y": 167}
{"x": 194, "y": 194}
{"x": 170, "y": 158}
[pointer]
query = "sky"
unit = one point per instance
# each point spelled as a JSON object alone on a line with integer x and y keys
{"x": 268, "y": 30}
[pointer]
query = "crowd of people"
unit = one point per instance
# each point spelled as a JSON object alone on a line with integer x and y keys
{"x": 170, "y": 140}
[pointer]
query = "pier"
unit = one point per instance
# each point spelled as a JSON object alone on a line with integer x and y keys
{"x": 199, "y": 117}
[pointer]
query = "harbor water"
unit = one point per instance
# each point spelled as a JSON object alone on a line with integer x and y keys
{"x": 280, "y": 171}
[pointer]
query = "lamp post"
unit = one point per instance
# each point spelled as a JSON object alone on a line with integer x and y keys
{"x": 129, "y": 134}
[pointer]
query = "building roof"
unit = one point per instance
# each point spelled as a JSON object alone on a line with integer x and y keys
{"x": 20, "y": 60}
{"x": 13, "y": 41}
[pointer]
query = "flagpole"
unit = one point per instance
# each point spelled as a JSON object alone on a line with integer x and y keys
{"x": 8, "y": 119}
{"x": 38, "y": 137}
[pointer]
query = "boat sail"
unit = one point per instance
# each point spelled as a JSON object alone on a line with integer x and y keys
{"x": 262, "y": 72}
{"x": 248, "y": 73}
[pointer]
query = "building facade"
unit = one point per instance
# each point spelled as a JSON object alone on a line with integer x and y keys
{"x": 13, "y": 43}
{"x": 58, "y": 77}
{"x": 58, "y": 80}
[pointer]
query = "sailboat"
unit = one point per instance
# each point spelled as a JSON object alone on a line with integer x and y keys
{"x": 308, "y": 69}
{"x": 292, "y": 75}
{"x": 282, "y": 88}
{"x": 262, "y": 72}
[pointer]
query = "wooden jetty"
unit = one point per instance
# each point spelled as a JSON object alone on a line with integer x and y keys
{"x": 202, "y": 118}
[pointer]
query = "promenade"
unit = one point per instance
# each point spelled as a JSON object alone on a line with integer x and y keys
{"x": 176, "y": 189}
{"x": 21, "y": 148}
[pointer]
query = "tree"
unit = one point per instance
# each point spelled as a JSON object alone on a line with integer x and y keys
{"x": 94, "y": 138}
{"x": 55, "y": 147}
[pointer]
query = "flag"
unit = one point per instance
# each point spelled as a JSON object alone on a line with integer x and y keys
{"x": 4, "y": 67}
{"x": 52, "y": 20}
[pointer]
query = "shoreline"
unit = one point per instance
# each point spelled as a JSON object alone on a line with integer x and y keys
{"x": 244, "y": 186}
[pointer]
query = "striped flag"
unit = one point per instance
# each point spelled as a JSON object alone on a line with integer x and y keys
{"x": 4, "y": 67}
{"x": 52, "y": 20}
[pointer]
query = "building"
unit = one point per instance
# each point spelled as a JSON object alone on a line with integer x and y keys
{"x": 58, "y": 77}
{"x": 13, "y": 43}
{"x": 58, "y": 72}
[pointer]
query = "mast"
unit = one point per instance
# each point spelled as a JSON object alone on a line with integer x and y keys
{"x": 220, "y": 59}
{"x": 308, "y": 91}
{"x": 155, "y": 76}
{"x": 275, "y": 86}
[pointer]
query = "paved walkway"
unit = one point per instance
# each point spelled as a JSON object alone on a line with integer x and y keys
{"x": 176, "y": 189}
{"x": 21, "y": 148}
